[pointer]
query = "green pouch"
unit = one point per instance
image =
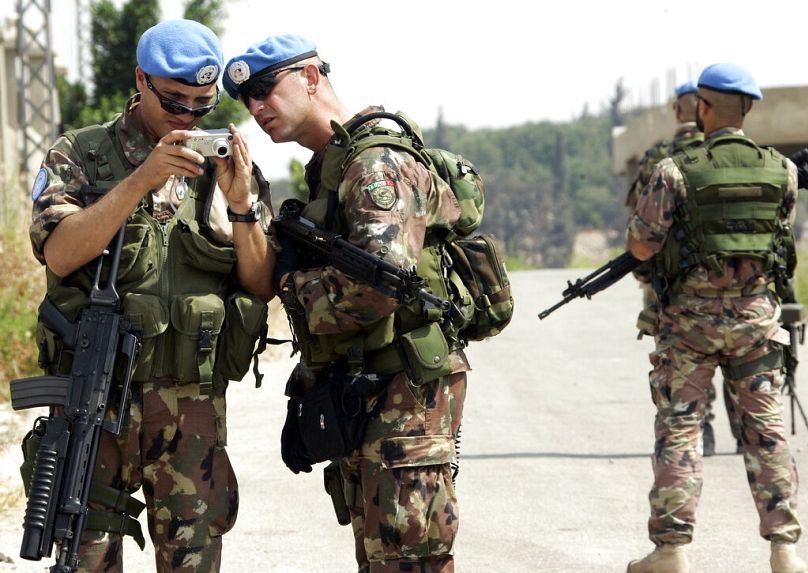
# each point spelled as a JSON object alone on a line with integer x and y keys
{"x": 203, "y": 254}
{"x": 196, "y": 322}
{"x": 245, "y": 319}
{"x": 148, "y": 317}
{"x": 427, "y": 353}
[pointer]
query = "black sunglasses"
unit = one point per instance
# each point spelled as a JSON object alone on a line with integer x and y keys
{"x": 261, "y": 86}
{"x": 176, "y": 108}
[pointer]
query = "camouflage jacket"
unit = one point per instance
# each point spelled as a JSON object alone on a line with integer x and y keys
{"x": 387, "y": 203}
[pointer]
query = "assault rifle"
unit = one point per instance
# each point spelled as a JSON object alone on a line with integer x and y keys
{"x": 598, "y": 280}
{"x": 387, "y": 278}
{"x": 793, "y": 320}
{"x": 60, "y": 487}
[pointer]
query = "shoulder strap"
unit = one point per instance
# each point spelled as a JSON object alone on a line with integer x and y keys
{"x": 96, "y": 146}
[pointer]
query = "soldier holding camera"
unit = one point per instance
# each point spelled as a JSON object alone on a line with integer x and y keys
{"x": 194, "y": 277}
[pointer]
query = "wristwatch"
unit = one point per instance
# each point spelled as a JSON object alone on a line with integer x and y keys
{"x": 251, "y": 216}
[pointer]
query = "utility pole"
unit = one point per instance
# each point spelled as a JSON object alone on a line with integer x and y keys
{"x": 36, "y": 80}
{"x": 84, "y": 36}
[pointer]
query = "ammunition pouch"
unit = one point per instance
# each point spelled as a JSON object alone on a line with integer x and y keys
{"x": 245, "y": 321}
{"x": 427, "y": 353}
{"x": 335, "y": 488}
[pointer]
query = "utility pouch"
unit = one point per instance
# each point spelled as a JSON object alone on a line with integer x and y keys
{"x": 197, "y": 321}
{"x": 332, "y": 422}
{"x": 245, "y": 319}
{"x": 30, "y": 446}
{"x": 334, "y": 487}
{"x": 148, "y": 315}
{"x": 427, "y": 353}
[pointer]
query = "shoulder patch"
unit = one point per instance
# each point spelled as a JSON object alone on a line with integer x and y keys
{"x": 40, "y": 183}
{"x": 383, "y": 193}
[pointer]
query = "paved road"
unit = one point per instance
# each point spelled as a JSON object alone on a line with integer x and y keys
{"x": 556, "y": 445}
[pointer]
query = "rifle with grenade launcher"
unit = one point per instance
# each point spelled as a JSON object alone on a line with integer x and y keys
{"x": 59, "y": 490}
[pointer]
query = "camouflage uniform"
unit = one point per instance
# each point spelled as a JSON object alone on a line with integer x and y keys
{"x": 398, "y": 484}
{"x": 713, "y": 321}
{"x": 174, "y": 443}
{"x": 647, "y": 321}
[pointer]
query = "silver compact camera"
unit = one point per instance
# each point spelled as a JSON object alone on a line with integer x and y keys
{"x": 211, "y": 143}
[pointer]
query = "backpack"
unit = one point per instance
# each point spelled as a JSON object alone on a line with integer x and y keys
{"x": 476, "y": 260}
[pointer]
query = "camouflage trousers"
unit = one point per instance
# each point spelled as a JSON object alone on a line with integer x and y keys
{"x": 398, "y": 486}
{"x": 648, "y": 324}
{"x": 696, "y": 336}
{"x": 174, "y": 448}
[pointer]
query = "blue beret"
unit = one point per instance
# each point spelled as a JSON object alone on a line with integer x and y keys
{"x": 265, "y": 57}
{"x": 688, "y": 87}
{"x": 729, "y": 78}
{"x": 183, "y": 50}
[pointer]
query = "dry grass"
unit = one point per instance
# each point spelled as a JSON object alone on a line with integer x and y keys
{"x": 21, "y": 290}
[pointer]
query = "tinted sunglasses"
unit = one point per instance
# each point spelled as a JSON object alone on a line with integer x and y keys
{"x": 261, "y": 86}
{"x": 176, "y": 108}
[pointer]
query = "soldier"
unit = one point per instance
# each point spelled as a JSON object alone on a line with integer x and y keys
{"x": 687, "y": 135}
{"x": 397, "y": 480}
{"x": 183, "y": 275}
{"x": 717, "y": 217}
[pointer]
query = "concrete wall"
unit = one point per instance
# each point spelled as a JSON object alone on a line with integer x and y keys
{"x": 780, "y": 120}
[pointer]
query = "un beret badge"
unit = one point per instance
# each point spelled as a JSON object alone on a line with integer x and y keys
{"x": 239, "y": 72}
{"x": 207, "y": 74}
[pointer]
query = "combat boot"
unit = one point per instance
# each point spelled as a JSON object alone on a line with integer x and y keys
{"x": 784, "y": 559}
{"x": 663, "y": 559}
{"x": 708, "y": 439}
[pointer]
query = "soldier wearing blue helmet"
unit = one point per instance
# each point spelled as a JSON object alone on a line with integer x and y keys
{"x": 396, "y": 472}
{"x": 687, "y": 135}
{"x": 194, "y": 277}
{"x": 716, "y": 222}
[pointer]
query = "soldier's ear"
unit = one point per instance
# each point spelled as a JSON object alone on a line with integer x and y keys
{"x": 140, "y": 79}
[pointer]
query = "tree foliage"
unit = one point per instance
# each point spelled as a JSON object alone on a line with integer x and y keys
{"x": 543, "y": 181}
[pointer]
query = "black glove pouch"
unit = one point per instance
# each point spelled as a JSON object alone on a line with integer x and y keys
{"x": 332, "y": 422}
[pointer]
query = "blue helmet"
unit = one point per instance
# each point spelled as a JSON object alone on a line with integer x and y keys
{"x": 183, "y": 50}
{"x": 729, "y": 78}
{"x": 689, "y": 87}
{"x": 266, "y": 57}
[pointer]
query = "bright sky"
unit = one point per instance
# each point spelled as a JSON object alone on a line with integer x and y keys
{"x": 507, "y": 62}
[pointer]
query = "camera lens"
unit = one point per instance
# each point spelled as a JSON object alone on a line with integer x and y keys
{"x": 221, "y": 147}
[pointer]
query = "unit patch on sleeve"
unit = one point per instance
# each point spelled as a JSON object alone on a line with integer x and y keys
{"x": 40, "y": 183}
{"x": 382, "y": 193}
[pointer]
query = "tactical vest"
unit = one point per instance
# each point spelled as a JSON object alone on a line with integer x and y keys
{"x": 175, "y": 283}
{"x": 733, "y": 208}
{"x": 420, "y": 335}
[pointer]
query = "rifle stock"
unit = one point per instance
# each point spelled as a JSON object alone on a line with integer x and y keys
{"x": 793, "y": 320}
{"x": 596, "y": 281}
{"x": 66, "y": 456}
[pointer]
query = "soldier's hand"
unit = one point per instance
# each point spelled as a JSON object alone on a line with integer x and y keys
{"x": 169, "y": 157}
{"x": 800, "y": 159}
{"x": 293, "y": 452}
{"x": 233, "y": 174}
